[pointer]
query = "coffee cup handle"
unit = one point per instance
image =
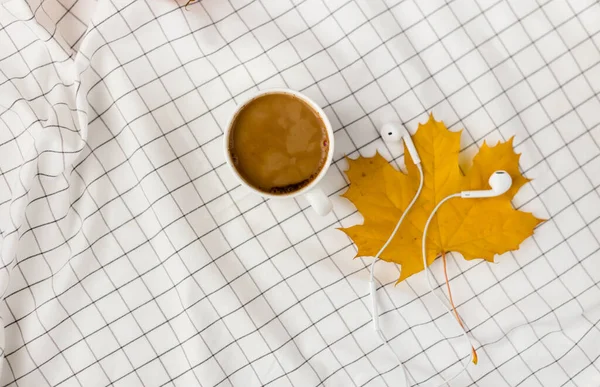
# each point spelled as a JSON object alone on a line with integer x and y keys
{"x": 319, "y": 201}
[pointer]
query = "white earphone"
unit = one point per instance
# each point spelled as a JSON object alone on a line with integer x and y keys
{"x": 394, "y": 132}
{"x": 500, "y": 182}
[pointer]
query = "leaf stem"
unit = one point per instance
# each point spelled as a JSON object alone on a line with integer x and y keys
{"x": 454, "y": 307}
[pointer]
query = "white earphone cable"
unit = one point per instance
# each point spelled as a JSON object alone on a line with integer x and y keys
{"x": 374, "y": 311}
{"x": 500, "y": 182}
{"x": 448, "y": 310}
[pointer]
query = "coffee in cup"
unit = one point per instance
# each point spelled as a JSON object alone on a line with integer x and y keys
{"x": 279, "y": 144}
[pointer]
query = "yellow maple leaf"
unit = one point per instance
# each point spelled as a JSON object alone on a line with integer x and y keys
{"x": 476, "y": 228}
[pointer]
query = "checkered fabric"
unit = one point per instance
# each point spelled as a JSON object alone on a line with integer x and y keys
{"x": 132, "y": 257}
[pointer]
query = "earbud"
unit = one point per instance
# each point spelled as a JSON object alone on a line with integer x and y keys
{"x": 500, "y": 181}
{"x": 394, "y": 131}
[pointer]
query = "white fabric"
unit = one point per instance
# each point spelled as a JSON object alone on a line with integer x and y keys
{"x": 131, "y": 257}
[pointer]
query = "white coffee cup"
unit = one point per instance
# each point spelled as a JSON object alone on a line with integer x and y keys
{"x": 313, "y": 194}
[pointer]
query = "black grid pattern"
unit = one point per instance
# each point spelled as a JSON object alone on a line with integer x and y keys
{"x": 131, "y": 257}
